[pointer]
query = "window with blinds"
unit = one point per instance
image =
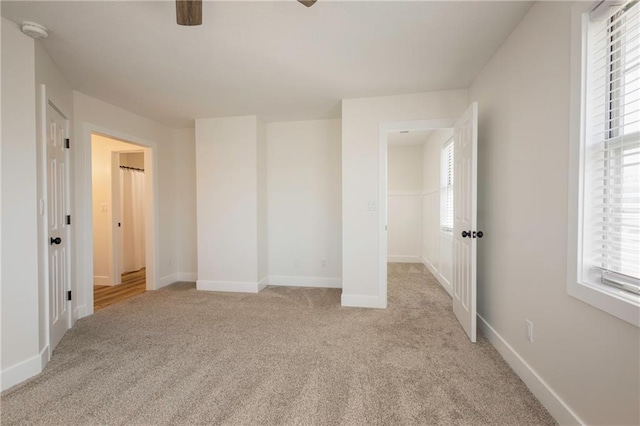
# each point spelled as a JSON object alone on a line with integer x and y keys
{"x": 446, "y": 187}
{"x": 611, "y": 209}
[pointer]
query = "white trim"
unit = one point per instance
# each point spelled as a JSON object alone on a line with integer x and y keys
{"x": 231, "y": 286}
{"x": 427, "y": 263}
{"x": 384, "y": 129}
{"x": 607, "y": 299}
{"x": 167, "y": 280}
{"x": 84, "y": 211}
{"x": 441, "y": 279}
{"x": 556, "y": 406}
{"x": 45, "y": 357}
{"x": 293, "y": 281}
{"x": 399, "y": 258}
{"x": 102, "y": 280}
{"x": 263, "y": 283}
{"x": 358, "y": 301}
{"x": 79, "y": 312}
{"x": 187, "y": 276}
{"x": 24, "y": 370}
{"x": 405, "y": 194}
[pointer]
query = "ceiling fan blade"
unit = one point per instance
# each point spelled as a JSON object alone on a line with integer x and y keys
{"x": 189, "y": 12}
{"x": 308, "y": 3}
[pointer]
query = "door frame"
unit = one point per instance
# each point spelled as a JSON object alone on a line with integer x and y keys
{"x": 152, "y": 242}
{"x": 384, "y": 130}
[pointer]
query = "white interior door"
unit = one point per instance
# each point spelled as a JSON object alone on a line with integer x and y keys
{"x": 58, "y": 227}
{"x": 465, "y": 170}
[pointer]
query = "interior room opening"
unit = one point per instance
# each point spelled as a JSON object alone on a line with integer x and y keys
{"x": 119, "y": 213}
{"x": 420, "y": 202}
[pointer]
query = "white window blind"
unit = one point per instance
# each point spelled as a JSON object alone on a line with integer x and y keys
{"x": 446, "y": 187}
{"x": 611, "y": 221}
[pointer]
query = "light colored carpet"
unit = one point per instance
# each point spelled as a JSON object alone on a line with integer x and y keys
{"x": 284, "y": 356}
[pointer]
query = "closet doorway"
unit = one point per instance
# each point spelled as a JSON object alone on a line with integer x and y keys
{"x": 118, "y": 199}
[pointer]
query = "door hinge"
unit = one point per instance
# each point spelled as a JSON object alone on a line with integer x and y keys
{"x": 67, "y": 144}
{"x": 69, "y": 295}
{"x": 68, "y": 219}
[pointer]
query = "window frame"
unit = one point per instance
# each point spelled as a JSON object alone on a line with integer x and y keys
{"x": 616, "y": 302}
{"x": 445, "y": 187}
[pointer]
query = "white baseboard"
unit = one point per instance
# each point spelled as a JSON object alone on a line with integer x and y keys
{"x": 441, "y": 280}
{"x": 559, "y": 409}
{"x": 100, "y": 280}
{"x": 24, "y": 370}
{"x": 79, "y": 312}
{"x": 230, "y": 286}
{"x": 175, "y": 277}
{"x": 45, "y": 357}
{"x": 358, "y": 301}
{"x": 263, "y": 283}
{"x": 293, "y": 281}
{"x": 403, "y": 259}
{"x": 187, "y": 276}
{"x": 166, "y": 280}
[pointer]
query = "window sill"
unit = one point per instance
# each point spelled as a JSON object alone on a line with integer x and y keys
{"x": 616, "y": 302}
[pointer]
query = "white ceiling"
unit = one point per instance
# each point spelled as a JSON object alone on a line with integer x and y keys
{"x": 279, "y": 60}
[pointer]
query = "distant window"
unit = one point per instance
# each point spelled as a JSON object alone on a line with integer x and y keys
{"x": 446, "y": 187}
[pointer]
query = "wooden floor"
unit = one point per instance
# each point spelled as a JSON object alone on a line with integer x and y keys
{"x": 133, "y": 284}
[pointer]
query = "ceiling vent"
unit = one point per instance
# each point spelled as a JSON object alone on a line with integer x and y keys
{"x": 34, "y": 30}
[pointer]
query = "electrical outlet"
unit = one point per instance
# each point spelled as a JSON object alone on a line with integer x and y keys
{"x": 296, "y": 263}
{"x": 529, "y": 330}
{"x": 323, "y": 262}
{"x": 372, "y": 206}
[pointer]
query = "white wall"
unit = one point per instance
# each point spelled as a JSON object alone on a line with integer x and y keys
{"x": 304, "y": 203}
{"x": 102, "y": 182}
{"x": 404, "y": 207}
{"x": 404, "y": 168}
{"x": 261, "y": 178}
{"x": 437, "y": 251}
{"x": 1, "y": 180}
{"x": 361, "y": 119}
{"x": 19, "y": 280}
{"x": 132, "y": 159}
{"x": 185, "y": 182}
{"x": 590, "y": 359}
{"x": 175, "y": 157}
{"x": 227, "y": 151}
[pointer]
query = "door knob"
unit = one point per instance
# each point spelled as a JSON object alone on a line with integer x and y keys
{"x": 479, "y": 234}
{"x": 56, "y": 240}
{"x": 466, "y": 234}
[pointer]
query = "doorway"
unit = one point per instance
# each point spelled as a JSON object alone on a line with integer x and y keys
{"x": 120, "y": 213}
{"x": 438, "y": 208}
{"x": 419, "y": 204}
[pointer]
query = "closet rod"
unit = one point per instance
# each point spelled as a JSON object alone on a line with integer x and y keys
{"x": 132, "y": 168}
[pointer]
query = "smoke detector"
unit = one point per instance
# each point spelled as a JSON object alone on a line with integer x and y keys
{"x": 34, "y": 30}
